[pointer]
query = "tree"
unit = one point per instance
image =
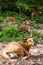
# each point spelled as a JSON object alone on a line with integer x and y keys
{"x": 1, "y": 5}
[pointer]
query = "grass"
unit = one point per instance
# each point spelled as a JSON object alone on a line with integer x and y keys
{"x": 12, "y": 33}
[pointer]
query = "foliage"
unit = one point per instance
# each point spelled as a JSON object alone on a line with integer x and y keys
{"x": 41, "y": 35}
{"x": 24, "y": 5}
{"x": 38, "y": 19}
{"x": 12, "y": 33}
{"x": 37, "y": 26}
{"x": 21, "y": 9}
{"x": 1, "y": 28}
{"x": 35, "y": 39}
{"x": 35, "y": 33}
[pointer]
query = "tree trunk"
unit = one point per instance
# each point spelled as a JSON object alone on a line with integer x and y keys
{"x": 0, "y": 8}
{"x": 1, "y": 5}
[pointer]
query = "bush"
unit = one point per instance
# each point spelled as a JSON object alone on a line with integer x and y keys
{"x": 35, "y": 39}
{"x": 1, "y": 19}
{"x": 38, "y": 19}
{"x": 35, "y": 33}
{"x": 1, "y": 27}
{"x": 1, "y": 36}
{"x": 41, "y": 36}
{"x": 37, "y": 26}
{"x": 12, "y": 33}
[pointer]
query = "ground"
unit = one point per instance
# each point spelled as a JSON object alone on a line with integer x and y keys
{"x": 33, "y": 60}
{"x": 36, "y": 55}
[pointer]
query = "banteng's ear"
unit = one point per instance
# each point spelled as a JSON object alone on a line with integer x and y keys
{"x": 30, "y": 39}
{"x": 27, "y": 22}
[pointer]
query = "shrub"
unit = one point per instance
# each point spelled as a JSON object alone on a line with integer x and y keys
{"x": 41, "y": 36}
{"x": 12, "y": 33}
{"x": 38, "y": 19}
{"x": 1, "y": 36}
{"x": 1, "y": 27}
{"x": 35, "y": 33}
{"x": 37, "y": 26}
{"x": 35, "y": 39}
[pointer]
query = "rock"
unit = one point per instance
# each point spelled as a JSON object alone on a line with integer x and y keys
{"x": 25, "y": 58}
{"x": 40, "y": 41}
{"x": 40, "y": 31}
{"x": 41, "y": 52}
{"x": 13, "y": 55}
{"x": 35, "y": 51}
{"x": 0, "y": 63}
{"x": 39, "y": 45}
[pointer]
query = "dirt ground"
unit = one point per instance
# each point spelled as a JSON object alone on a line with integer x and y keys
{"x": 33, "y": 60}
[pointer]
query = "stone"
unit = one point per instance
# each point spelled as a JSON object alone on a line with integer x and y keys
{"x": 13, "y": 55}
{"x": 25, "y": 58}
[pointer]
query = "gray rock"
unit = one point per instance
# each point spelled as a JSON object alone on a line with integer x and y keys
{"x": 25, "y": 58}
{"x": 13, "y": 55}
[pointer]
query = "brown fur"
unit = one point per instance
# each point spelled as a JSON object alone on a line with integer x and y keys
{"x": 11, "y": 19}
{"x": 20, "y": 48}
{"x": 25, "y": 26}
{"x": 35, "y": 14}
{"x": 27, "y": 22}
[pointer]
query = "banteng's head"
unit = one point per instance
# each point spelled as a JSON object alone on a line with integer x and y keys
{"x": 30, "y": 42}
{"x": 27, "y": 22}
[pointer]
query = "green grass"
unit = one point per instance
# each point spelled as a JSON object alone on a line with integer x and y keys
{"x": 35, "y": 39}
{"x": 12, "y": 33}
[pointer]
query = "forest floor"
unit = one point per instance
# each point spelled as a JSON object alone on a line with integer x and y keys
{"x": 33, "y": 60}
{"x": 36, "y": 55}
